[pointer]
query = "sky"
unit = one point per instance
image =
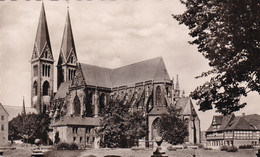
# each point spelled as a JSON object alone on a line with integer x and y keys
{"x": 109, "y": 33}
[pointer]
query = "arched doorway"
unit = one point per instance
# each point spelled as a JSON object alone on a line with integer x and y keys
{"x": 155, "y": 131}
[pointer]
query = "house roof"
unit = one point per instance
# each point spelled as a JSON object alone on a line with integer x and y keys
{"x": 15, "y": 110}
{"x": 62, "y": 91}
{"x": 4, "y": 109}
{"x": 77, "y": 121}
{"x": 232, "y": 122}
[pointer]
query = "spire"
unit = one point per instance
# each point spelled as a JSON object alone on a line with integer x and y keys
{"x": 42, "y": 35}
{"x": 177, "y": 83}
{"x": 67, "y": 44}
{"x": 23, "y": 110}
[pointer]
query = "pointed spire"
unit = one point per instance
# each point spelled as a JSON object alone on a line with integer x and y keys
{"x": 67, "y": 44}
{"x": 42, "y": 35}
{"x": 23, "y": 110}
{"x": 177, "y": 83}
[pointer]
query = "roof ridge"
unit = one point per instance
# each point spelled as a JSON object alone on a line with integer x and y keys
{"x": 139, "y": 62}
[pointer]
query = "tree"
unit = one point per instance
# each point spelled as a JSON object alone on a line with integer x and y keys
{"x": 30, "y": 127}
{"x": 172, "y": 128}
{"x": 227, "y": 34}
{"x": 120, "y": 127}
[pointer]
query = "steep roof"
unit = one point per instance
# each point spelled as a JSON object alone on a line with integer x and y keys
{"x": 186, "y": 106}
{"x": 15, "y": 110}
{"x": 77, "y": 121}
{"x": 152, "y": 69}
{"x": 67, "y": 44}
{"x": 42, "y": 35}
{"x": 63, "y": 89}
{"x": 96, "y": 76}
{"x": 232, "y": 122}
{"x": 4, "y": 109}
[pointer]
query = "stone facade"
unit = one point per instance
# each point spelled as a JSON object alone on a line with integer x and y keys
{"x": 84, "y": 90}
{"x": 4, "y": 126}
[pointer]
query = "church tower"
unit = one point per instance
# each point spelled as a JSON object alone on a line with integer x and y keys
{"x": 42, "y": 67}
{"x": 66, "y": 67}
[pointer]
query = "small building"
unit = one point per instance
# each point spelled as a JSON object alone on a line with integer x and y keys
{"x": 233, "y": 130}
{"x": 4, "y": 126}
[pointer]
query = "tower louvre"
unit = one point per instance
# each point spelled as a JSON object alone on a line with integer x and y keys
{"x": 42, "y": 66}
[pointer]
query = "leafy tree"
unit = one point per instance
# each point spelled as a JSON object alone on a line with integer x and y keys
{"x": 30, "y": 127}
{"x": 227, "y": 34}
{"x": 120, "y": 127}
{"x": 172, "y": 128}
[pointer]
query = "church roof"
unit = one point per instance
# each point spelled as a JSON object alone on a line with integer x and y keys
{"x": 186, "y": 106}
{"x": 15, "y": 110}
{"x": 62, "y": 91}
{"x": 77, "y": 121}
{"x": 42, "y": 35}
{"x": 96, "y": 76}
{"x": 152, "y": 69}
{"x": 67, "y": 44}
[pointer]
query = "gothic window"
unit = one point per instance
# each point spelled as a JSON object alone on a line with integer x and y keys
{"x": 35, "y": 70}
{"x": 71, "y": 60}
{"x": 49, "y": 67}
{"x": 101, "y": 103}
{"x": 167, "y": 91}
{"x": 45, "y": 88}
{"x": 46, "y": 70}
{"x": 158, "y": 96}
{"x": 35, "y": 88}
{"x": 89, "y": 104}
{"x": 46, "y": 54}
{"x": 43, "y": 70}
{"x": 76, "y": 105}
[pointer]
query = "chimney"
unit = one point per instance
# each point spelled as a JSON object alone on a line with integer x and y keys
{"x": 243, "y": 114}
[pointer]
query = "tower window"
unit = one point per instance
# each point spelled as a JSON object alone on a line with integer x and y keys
{"x": 35, "y": 70}
{"x": 35, "y": 88}
{"x": 45, "y": 88}
{"x": 43, "y": 69}
{"x": 46, "y": 54}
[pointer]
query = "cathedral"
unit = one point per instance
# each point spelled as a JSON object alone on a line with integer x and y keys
{"x": 84, "y": 90}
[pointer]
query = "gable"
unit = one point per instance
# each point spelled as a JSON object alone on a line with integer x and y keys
{"x": 46, "y": 53}
{"x": 3, "y": 109}
{"x": 78, "y": 79}
{"x": 72, "y": 57}
{"x": 35, "y": 52}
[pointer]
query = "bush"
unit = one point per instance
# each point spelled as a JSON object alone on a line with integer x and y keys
{"x": 224, "y": 148}
{"x": 228, "y": 148}
{"x": 170, "y": 148}
{"x": 246, "y": 147}
{"x": 66, "y": 146}
{"x": 232, "y": 149}
{"x": 73, "y": 146}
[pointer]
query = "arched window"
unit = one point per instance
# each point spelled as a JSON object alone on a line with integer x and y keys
{"x": 43, "y": 69}
{"x": 158, "y": 96}
{"x": 45, "y": 88}
{"x": 46, "y": 70}
{"x": 49, "y": 67}
{"x": 101, "y": 103}
{"x": 46, "y": 54}
{"x": 76, "y": 105}
{"x": 89, "y": 104}
{"x": 35, "y": 88}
